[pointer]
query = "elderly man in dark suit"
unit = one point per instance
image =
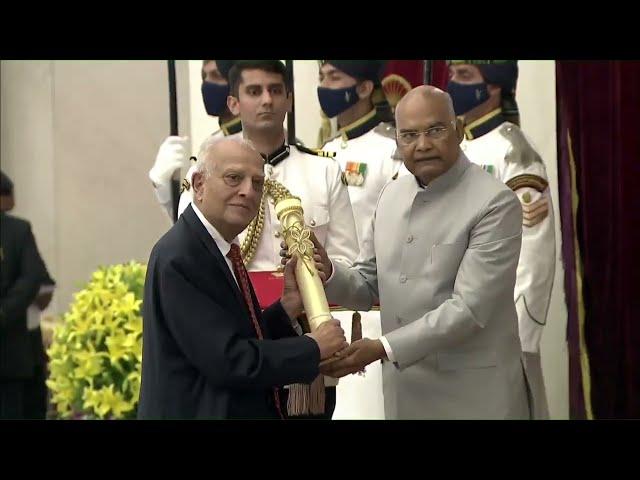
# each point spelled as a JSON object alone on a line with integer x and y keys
{"x": 208, "y": 350}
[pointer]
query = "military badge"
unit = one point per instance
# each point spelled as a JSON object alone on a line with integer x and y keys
{"x": 185, "y": 185}
{"x": 355, "y": 174}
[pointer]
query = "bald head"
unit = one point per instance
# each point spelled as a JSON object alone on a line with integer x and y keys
{"x": 433, "y": 96}
{"x": 428, "y": 137}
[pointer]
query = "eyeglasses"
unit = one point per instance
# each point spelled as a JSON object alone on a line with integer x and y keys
{"x": 433, "y": 133}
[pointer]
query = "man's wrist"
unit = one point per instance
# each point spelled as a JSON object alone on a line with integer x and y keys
{"x": 382, "y": 352}
{"x": 290, "y": 307}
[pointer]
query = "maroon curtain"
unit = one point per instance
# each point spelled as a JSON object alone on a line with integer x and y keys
{"x": 402, "y": 75}
{"x": 399, "y": 77}
{"x": 412, "y": 71}
{"x": 599, "y": 114}
{"x": 439, "y": 74}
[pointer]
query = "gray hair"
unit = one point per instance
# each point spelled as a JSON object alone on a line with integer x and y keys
{"x": 206, "y": 167}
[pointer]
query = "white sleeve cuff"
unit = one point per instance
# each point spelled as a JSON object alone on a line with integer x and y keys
{"x": 387, "y": 348}
{"x": 33, "y": 317}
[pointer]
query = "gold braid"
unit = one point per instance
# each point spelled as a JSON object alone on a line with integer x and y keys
{"x": 277, "y": 192}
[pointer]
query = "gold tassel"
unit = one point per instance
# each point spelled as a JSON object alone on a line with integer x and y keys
{"x": 356, "y": 327}
{"x": 356, "y": 332}
{"x": 306, "y": 399}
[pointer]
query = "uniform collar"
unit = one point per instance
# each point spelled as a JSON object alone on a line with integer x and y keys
{"x": 484, "y": 124}
{"x": 277, "y": 156}
{"x": 361, "y": 126}
{"x": 231, "y": 127}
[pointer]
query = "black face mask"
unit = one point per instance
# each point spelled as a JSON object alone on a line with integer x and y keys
{"x": 334, "y": 101}
{"x": 467, "y": 97}
{"x": 214, "y": 97}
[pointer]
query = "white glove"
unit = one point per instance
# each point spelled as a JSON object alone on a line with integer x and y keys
{"x": 172, "y": 156}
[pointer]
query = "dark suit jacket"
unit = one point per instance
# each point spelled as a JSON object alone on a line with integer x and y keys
{"x": 201, "y": 356}
{"x": 22, "y": 274}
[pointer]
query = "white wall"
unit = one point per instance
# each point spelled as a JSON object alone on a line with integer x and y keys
{"x": 78, "y": 138}
{"x": 308, "y": 120}
{"x": 536, "y": 97}
{"x": 26, "y": 155}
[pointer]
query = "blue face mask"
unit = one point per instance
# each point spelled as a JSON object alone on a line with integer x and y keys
{"x": 335, "y": 101}
{"x": 214, "y": 97}
{"x": 467, "y": 97}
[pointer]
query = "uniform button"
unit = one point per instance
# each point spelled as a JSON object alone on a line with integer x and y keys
{"x": 280, "y": 268}
{"x": 312, "y": 223}
{"x": 277, "y": 234}
{"x": 403, "y": 279}
{"x": 410, "y": 239}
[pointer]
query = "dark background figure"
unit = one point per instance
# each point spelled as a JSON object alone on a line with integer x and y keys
{"x": 25, "y": 283}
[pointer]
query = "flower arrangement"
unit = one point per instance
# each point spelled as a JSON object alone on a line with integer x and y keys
{"x": 96, "y": 351}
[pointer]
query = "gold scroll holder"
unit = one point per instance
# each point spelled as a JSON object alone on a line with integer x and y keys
{"x": 298, "y": 239}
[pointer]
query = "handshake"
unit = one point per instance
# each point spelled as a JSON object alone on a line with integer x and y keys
{"x": 338, "y": 358}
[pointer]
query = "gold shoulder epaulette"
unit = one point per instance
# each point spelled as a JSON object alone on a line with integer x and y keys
{"x": 315, "y": 151}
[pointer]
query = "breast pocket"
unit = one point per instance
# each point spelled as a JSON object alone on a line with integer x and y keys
{"x": 317, "y": 219}
{"x": 445, "y": 260}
